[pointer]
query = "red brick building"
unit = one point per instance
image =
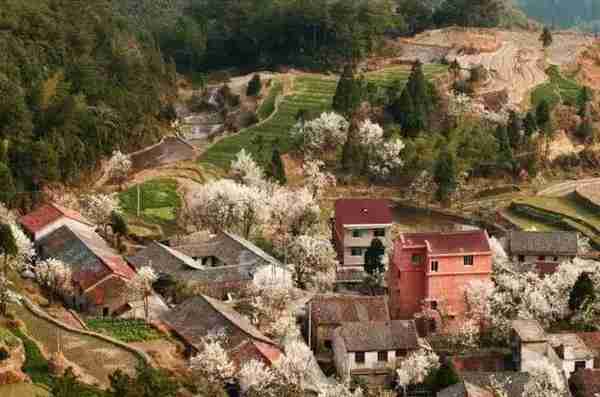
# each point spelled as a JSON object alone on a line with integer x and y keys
{"x": 431, "y": 271}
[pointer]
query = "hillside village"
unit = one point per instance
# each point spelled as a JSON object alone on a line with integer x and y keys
{"x": 393, "y": 199}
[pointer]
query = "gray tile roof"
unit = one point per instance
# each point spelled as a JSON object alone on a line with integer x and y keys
{"x": 201, "y": 315}
{"x": 338, "y": 308}
{"x": 543, "y": 243}
{"x": 514, "y": 383}
{"x": 529, "y": 330}
{"x": 380, "y": 335}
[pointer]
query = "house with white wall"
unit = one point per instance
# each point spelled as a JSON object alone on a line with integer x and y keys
{"x": 543, "y": 250}
{"x": 48, "y": 218}
{"x": 370, "y": 350}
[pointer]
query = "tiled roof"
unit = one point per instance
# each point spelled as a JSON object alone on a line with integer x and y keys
{"x": 197, "y": 316}
{"x": 543, "y": 243}
{"x": 109, "y": 290}
{"x": 440, "y": 243}
{"x": 479, "y": 382}
{"x": 164, "y": 260}
{"x": 592, "y": 340}
{"x": 337, "y": 309}
{"x": 380, "y": 335}
{"x": 529, "y": 331}
{"x": 47, "y": 214}
{"x": 586, "y": 382}
{"x": 255, "y": 350}
{"x": 362, "y": 212}
{"x": 570, "y": 347}
{"x": 350, "y": 275}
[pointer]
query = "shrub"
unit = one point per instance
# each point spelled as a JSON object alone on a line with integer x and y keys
{"x": 4, "y": 355}
{"x": 254, "y": 86}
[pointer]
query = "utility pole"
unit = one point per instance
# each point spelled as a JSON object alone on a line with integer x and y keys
{"x": 139, "y": 194}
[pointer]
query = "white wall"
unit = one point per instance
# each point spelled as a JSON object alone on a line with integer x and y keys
{"x": 371, "y": 361}
{"x": 361, "y": 242}
{"x": 568, "y": 366}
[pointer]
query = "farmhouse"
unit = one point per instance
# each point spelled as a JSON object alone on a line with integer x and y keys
{"x": 431, "y": 270}
{"x": 48, "y": 218}
{"x": 357, "y": 222}
{"x": 479, "y": 384}
{"x": 545, "y": 250}
{"x": 369, "y": 350}
{"x": 199, "y": 316}
{"x": 328, "y": 312}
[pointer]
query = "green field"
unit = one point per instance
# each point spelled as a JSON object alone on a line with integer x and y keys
{"x": 159, "y": 201}
{"x": 267, "y": 107}
{"x": 125, "y": 330}
{"x": 558, "y": 89}
{"x": 313, "y": 93}
{"x": 527, "y": 223}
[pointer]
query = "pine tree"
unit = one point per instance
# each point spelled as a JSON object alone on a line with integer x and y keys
{"x": 8, "y": 244}
{"x": 514, "y": 129}
{"x": 347, "y": 94}
{"x": 585, "y": 130}
{"x": 7, "y": 183}
{"x": 277, "y": 170}
{"x": 454, "y": 69}
{"x": 546, "y": 37}
{"x": 583, "y": 98}
{"x": 119, "y": 227}
{"x": 530, "y": 124}
{"x": 352, "y": 156}
{"x": 254, "y": 86}
{"x": 582, "y": 291}
{"x": 374, "y": 257}
{"x": 444, "y": 174}
{"x": 505, "y": 153}
{"x": 413, "y": 108}
{"x": 543, "y": 117}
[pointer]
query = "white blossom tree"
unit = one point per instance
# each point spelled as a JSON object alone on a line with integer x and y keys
{"x": 99, "y": 207}
{"x": 245, "y": 170}
{"x": 546, "y": 380}
{"x": 415, "y": 368}
{"x": 271, "y": 311}
{"x": 296, "y": 364}
{"x": 118, "y": 167}
{"x": 227, "y": 205}
{"x": 317, "y": 180}
{"x": 293, "y": 213}
{"x": 314, "y": 262}
{"x": 383, "y": 157}
{"x": 256, "y": 379}
{"x": 56, "y": 276}
{"x": 323, "y": 134}
{"x": 213, "y": 362}
{"x": 141, "y": 287}
{"x": 339, "y": 390}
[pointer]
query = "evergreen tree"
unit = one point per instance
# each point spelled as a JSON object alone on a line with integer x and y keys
{"x": 543, "y": 117}
{"x": 254, "y": 86}
{"x": 444, "y": 174}
{"x": 148, "y": 382}
{"x": 582, "y": 291}
{"x": 546, "y": 37}
{"x": 454, "y": 69}
{"x": 585, "y": 130}
{"x": 352, "y": 155}
{"x": 8, "y": 189}
{"x": 443, "y": 377}
{"x": 374, "y": 257}
{"x": 583, "y": 98}
{"x": 44, "y": 163}
{"x": 505, "y": 153}
{"x": 119, "y": 227}
{"x": 347, "y": 94}
{"x": 530, "y": 124}
{"x": 277, "y": 171}
{"x": 68, "y": 385}
{"x": 413, "y": 108}
{"x": 8, "y": 244}
{"x": 514, "y": 129}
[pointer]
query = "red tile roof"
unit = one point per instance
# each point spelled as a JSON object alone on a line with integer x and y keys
{"x": 46, "y": 214}
{"x": 255, "y": 350}
{"x": 473, "y": 241}
{"x": 362, "y": 212}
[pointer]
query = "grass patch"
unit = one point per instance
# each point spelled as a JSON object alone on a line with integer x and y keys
{"x": 268, "y": 105}
{"x": 565, "y": 206}
{"x": 559, "y": 89}
{"x": 527, "y": 223}
{"x": 36, "y": 365}
{"x": 313, "y": 93}
{"x": 159, "y": 201}
{"x": 125, "y": 330}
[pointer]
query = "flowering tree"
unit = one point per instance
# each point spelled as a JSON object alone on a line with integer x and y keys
{"x": 314, "y": 262}
{"x": 317, "y": 180}
{"x": 296, "y": 364}
{"x": 55, "y": 276}
{"x": 546, "y": 380}
{"x": 141, "y": 286}
{"x": 119, "y": 166}
{"x": 99, "y": 207}
{"x": 339, "y": 390}
{"x": 227, "y": 205}
{"x": 383, "y": 156}
{"x": 415, "y": 368}
{"x": 245, "y": 170}
{"x": 5, "y": 293}
{"x": 213, "y": 362}
{"x": 256, "y": 380}
{"x": 325, "y": 133}
{"x": 270, "y": 311}
{"x": 293, "y": 213}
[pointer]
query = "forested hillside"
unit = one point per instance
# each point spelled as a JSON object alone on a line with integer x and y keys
{"x": 74, "y": 86}
{"x": 564, "y": 13}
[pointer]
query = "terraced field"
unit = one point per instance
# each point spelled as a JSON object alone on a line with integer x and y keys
{"x": 559, "y": 89}
{"x": 311, "y": 92}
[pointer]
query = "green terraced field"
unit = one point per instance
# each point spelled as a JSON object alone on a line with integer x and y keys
{"x": 559, "y": 88}
{"x": 313, "y": 93}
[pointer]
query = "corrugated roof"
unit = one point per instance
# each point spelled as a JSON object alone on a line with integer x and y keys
{"x": 47, "y": 214}
{"x": 543, "y": 243}
{"x": 362, "y": 212}
{"x": 378, "y": 336}
{"x": 442, "y": 243}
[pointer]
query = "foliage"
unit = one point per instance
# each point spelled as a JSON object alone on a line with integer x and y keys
{"x": 125, "y": 330}
{"x": 546, "y": 37}
{"x": 99, "y": 208}
{"x": 482, "y": 13}
{"x": 254, "y": 86}
{"x": 559, "y": 88}
{"x": 374, "y": 261}
{"x": 443, "y": 377}
{"x": 148, "y": 382}
{"x": 323, "y": 134}
{"x": 415, "y": 368}
{"x": 245, "y": 170}
{"x": 54, "y": 275}
{"x": 546, "y": 380}
{"x": 582, "y": 291}
{"x": 347, "y": 94}
{"x": 36, "y": 365}
{"x": 277, "y": 170}
{"x": 317, "y": 180}
{"x": 7, "y": 182}
{"x": 445, "y": 174}
{"x": 68, "y": 385}
{"x": 267, "y": 107}
{"x": 8, "y": 243}
{"x": 314, "y": 262}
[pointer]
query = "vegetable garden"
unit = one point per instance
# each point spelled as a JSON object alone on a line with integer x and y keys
{"x": 125, "y": 330}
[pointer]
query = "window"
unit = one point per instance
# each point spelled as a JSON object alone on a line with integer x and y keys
{"x": 379, "y": 232}
{"x": 328, "y": 345}
{"x": 468, "y": 260}
{"x": 434, "y": 305}
{"x": 359, "y": 357}
{"x": 541, "y": 258}
{"x": 401, "y": 353}
{"x": 416, "y": 259}
{"x": 579, "y": 365}
{"x": 555, "y": 259}
{"x": 356, "y": 233}
{"x": 356, "y": 251}
{"x": 521, "y": 258}
{"x": 434, "y": 266}
{"x": 382, "y": 356}
{"x": 105, "y": 312}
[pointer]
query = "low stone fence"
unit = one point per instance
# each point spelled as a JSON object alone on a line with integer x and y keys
{"x": 41, "y": 314}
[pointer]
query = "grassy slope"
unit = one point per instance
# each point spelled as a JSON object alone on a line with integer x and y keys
{"x": 125, "y": 330}
{"x": 558, "y": 88}
{"x": 313, "y": 93}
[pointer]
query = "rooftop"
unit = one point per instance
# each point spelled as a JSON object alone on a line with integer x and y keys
{"x": 570, "y": 347}
{"x": 337, "y": 309}
{"x": 529, "y": 331}
{"x": 47, "y": 214}
{"x": 378, "y": 336}
{"x": 477, "y": 384}
{"x": 441, "y": 243}
{"x": 350, "y": 212}
{"x": 543, "y": 243}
